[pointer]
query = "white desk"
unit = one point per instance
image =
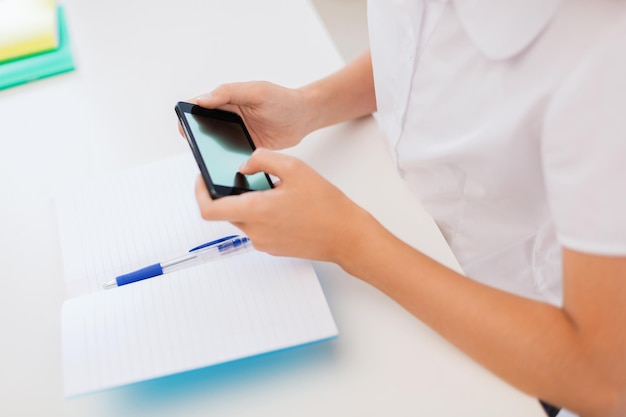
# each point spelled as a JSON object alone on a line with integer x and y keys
{"x": 135, "y": 59}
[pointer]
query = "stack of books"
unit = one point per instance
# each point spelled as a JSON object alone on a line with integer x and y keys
{"x": 33, "y": 41}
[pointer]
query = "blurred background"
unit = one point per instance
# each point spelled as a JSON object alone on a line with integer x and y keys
{"x": 346, "y": 21}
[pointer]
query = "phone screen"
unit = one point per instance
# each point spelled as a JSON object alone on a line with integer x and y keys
{"x": 224, "y": 148}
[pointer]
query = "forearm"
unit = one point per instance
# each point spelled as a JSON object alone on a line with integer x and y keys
{"x": 534, "y": 346}
{"x": 343, "y": 95}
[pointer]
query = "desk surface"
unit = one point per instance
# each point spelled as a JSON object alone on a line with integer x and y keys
{"x": 134, "y": 61}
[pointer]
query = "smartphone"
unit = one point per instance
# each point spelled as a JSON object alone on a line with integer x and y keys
{"x": 220, "y": 143}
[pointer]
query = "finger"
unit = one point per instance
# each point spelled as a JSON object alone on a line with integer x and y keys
{"x": 234, "y": 94}
{"x": 273, "y": 163}
{"x": 232, "y": 208}
{"x": 202, "y": 193}
{"x": 181, "y": 130}
{"x": 180, "y": 127}
{"x": 210, "y": 102}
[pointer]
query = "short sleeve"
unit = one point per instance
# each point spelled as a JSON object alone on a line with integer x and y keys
{"x": 584, "y": 152}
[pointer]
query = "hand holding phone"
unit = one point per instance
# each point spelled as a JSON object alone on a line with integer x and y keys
{"x": 220, "y": 144}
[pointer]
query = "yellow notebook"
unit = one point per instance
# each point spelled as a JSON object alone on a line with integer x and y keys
{"x": 27, "y": 27}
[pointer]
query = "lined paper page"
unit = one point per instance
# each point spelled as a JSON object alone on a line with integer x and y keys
{"x": 124, "y": 222}
{"x": 217, "y": 311}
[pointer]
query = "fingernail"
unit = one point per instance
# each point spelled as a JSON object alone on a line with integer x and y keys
{"x": 205, "y": 97}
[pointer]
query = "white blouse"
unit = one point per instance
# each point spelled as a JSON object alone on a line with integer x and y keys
{"x": 507, "y": 118}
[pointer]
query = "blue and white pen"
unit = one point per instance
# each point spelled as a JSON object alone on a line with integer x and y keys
{"x": 219, "y": 247}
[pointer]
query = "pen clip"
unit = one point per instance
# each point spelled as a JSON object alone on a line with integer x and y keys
{"x": 213, "y": 243}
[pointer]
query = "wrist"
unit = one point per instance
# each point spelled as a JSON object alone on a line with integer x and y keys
{"x": 314, "y": 107}
{"x": 358, "y": 244}
{"x": 346, "y": 94}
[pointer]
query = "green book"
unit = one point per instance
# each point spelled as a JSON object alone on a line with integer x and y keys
{"x": 42, "y": 65}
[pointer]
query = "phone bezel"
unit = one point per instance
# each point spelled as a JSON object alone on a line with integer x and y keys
{"x": 215, "y": 190}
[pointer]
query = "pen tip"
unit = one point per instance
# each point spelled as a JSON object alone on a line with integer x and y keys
{"x": 110, "y": 284}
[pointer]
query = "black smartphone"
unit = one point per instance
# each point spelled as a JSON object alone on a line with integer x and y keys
{"x": 220, "y": 143}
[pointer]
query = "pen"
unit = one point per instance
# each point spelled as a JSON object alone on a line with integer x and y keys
{"x": 219, "y": 247}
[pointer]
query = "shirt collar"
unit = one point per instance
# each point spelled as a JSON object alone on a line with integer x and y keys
{"x": 503, "y": 28}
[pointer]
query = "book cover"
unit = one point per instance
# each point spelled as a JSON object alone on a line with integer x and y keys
{"x": 27, "y": 27}
{"x": 42, "y": 65}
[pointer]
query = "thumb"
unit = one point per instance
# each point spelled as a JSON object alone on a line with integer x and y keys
{"x": 234, "y": 93}
{"x": 273, "y": 163}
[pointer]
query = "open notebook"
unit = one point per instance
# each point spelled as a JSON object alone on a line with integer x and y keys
{"x": 213, "y": 312}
